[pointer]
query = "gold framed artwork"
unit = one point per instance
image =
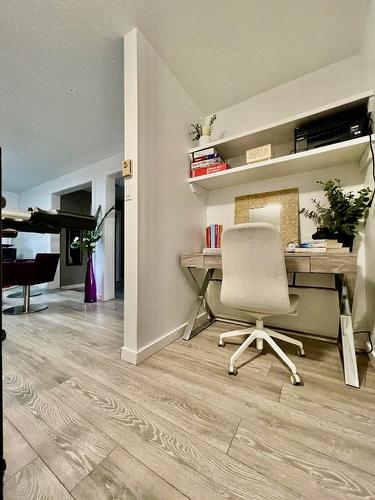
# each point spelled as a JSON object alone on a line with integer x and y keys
{"x": 288, "y": 201}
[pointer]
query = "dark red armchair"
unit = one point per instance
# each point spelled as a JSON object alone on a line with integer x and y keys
{"x": 29, "y": 272}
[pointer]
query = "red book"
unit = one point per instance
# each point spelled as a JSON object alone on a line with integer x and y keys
{"x": 217, "y": 167}
{"x": 208, "y": 237}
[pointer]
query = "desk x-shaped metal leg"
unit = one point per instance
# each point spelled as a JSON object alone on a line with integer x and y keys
{"x": 192, "y": 329}
{"x": 349, "y": 358}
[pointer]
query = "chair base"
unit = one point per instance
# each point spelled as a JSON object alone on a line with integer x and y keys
{"x": 20, "y": 295}
{"x": 22, "y": 309}
{"x": 260, "y": 334}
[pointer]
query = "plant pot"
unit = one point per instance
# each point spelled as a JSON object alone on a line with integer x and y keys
{"x": 90, "y": 283}
{"x": 346, "y": 239}
{"x": 323, "y": 233}
{"x": 204, "y": 140}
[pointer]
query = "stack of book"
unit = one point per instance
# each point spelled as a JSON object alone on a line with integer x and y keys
{"x": 213, "y": 239}
{"x": 206, "y": 161}
{"x": 322, "y": 246}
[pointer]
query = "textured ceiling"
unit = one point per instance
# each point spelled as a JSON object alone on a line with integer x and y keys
{"x": 61, "y": 81}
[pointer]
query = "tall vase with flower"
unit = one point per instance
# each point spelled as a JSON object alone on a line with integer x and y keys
{"x": 87, "y": 243}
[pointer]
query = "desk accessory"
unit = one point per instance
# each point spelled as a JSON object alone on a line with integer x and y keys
{"x": 261, "y": 153}
{"x": 287, "y": 198}
{"x": 202, "y": 130}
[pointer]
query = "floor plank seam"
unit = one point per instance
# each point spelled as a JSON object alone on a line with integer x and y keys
{"x": 135, "y": 458}
{"x": 38, "y": 457}
{"x": 234, "y": 435}
{"x": 92, "y": 470}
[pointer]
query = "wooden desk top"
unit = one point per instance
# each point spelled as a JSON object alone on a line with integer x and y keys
{"x": 309, "y": 262}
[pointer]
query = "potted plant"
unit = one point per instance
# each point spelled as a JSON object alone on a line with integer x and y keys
{"x": 202, "y": 131}
{"x": 339, "y": 220}
{"x": 87, "y": 243}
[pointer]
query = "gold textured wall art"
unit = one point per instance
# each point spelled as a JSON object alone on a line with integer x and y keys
{"x": 287, "y": 198}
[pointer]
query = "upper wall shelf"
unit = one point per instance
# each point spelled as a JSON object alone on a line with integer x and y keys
{"x": 280, "y": 135}
{"x": 327, "y": 156}
{"x": 280, "y": 132}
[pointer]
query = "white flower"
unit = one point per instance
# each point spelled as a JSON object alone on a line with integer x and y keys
{"x": 76, "y": 239}
{"x": 92, "y": 245}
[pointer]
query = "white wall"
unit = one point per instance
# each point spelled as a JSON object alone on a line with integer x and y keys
{"x": 310, "y": 91}
{"x": 163, "y": 217}
{"x": 11, "y": 198}
{"x": 367, "y": 66}
{"x": 45, "y": 196}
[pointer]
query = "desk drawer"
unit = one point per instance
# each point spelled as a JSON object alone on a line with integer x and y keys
{"x": 340, "y": 263}
{"x": 300, "y": 264}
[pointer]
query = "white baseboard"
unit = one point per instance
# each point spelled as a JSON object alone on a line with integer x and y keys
{"x": 77, "y": 285}
{"x": 136, "y": 357}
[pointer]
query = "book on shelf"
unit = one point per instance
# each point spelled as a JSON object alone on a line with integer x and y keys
{"x": 338, "y": 250}
{"x": 206, "y": 163}
{"x": 322, "y": 250}
{"x": 211, "y": 251}
{"x": 203, "y": 157}
{"x": 310, "y": 249}
{"x": 211, "y": 169}
{"x": 213, "y": 236}
{"x": 202, "y": 152}
{"x": 321, "y": 244}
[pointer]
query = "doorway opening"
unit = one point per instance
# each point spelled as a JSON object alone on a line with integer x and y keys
{"x": 73, "y": 261}
{"x": 119, "y": 238}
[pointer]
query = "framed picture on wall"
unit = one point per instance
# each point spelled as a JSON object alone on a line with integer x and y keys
{"x": 73, "y": 255}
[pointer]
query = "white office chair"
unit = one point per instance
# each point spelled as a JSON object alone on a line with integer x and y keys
{"x": 255, "y": 281}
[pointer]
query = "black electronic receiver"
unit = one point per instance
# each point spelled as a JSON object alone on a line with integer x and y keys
{"x": 338, "y": 127}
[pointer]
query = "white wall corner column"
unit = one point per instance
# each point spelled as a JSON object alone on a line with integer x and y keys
{"x": 129, "y": 349}
{"x": 162, "y": 217}
{"x": 103, "y": 193}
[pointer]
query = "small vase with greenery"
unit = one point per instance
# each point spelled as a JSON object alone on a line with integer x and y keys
{"x": 202, "y": 131}
{"x": 87, "y": 243}
{"x": 338, "y": 220}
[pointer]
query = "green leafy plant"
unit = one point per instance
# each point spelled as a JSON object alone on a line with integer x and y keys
{"x": 344, "y": 210}
{"x": 200, "y": 129}
{"x": 89, "y": 239}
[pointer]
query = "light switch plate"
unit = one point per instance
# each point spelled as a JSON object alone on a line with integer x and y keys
{"x": 126, "y": 168}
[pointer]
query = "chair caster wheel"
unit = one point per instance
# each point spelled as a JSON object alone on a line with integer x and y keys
{"x": 232, "y": 370}
{"x": 296, "y": 379}
{"x": 221, "y": 343}
{"x": 301, "y": 353}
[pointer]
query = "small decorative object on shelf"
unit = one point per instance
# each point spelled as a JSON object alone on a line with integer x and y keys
{"x": 87, "y": 243}
{"x": 202, "y": 130}
{"x": 340, "y": 219}
{"x": 291, "y": 246}
{"x": 261, "y": 153}
{"x": 206, "y": 161}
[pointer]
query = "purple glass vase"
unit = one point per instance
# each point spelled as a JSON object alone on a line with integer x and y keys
{"x": 90, "y": 283}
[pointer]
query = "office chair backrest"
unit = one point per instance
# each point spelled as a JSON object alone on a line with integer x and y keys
{"x": 254, "y": 273}
{"x": 45, "y": 267}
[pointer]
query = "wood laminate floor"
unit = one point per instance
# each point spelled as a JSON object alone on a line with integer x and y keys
{"x": 80, "y": 423}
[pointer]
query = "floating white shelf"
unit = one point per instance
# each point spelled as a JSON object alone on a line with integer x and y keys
{"x": 280, "y": 132}
{"x": 327, "y": 156}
